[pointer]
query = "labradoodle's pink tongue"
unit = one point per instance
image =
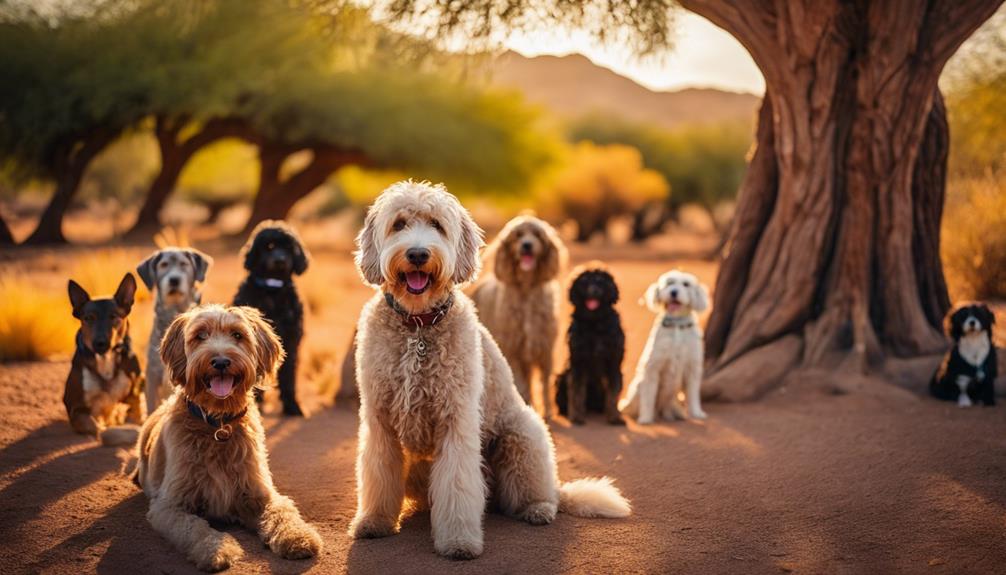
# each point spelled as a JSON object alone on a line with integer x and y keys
{"x": 527, "y": 262}
{"x": 417, "y": 280}
{"x": 592, "y": 304}
{"x": 222, "y": 385}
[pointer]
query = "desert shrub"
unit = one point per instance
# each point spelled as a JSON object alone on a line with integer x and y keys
{"x": 599, "y": 183}
{"x": 35, "y": 323}
{"x": 99, "y": 272}
{"x": 974, "y": 237}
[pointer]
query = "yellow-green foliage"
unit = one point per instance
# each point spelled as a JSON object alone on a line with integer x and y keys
{"x": 35, "y": 323}
{"x": 974, "y": 237}
{"x": 226, "y": 170}
{"x": 602, "y": 182}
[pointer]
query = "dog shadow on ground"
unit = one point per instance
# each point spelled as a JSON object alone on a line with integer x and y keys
{"x": 58, "y": 462}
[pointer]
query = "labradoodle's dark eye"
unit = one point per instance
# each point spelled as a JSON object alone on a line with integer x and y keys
{"x": 202, "y": 336}
{"x": 237, "y": 335}
{"x": 399, "y": 225}
{"x": 270, "y": 246}
{"x": 436, "y": 225}
{"x": 688, "y": 284}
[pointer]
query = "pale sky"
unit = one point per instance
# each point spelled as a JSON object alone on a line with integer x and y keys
{"x": 703, "y": 56}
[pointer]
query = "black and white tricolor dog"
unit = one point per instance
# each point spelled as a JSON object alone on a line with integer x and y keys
{"x": 968, "y": 372}
{"x": 273, "y": 256}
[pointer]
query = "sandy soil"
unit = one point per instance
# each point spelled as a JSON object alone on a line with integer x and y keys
{"x": 878, "y": 480}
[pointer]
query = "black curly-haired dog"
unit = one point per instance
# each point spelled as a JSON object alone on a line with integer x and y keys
{"x": 593, "y": 380}
{"x": 968, "y": 372}
{"x": 273, "y": 255}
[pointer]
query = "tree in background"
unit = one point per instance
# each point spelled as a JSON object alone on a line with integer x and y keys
{"x": 703, "y": 164}
{"x": 834, "y": 255}
{"x": 68, "y": 93}
{"x": 600, "y": 183}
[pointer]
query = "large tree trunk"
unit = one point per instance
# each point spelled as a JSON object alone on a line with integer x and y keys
{"x": 834, "y": 253}
{"x": 6, "y": 237}
{"x": 69, "y": 173}
{"x": 277, "y": 196}
{"x": 175, "y": 155}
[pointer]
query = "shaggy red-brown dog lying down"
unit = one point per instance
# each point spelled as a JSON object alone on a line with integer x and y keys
{"x": 202, "y": 453}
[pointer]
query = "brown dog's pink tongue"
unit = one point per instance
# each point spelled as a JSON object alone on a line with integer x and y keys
{"x": 527, "y": 262}
{"x": 417, "y": 280}
{"x": 222, "y": 385}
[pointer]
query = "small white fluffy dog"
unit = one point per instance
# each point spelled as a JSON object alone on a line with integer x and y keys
{"x": 441, "y": 422}
{"x": 673, "y": 356}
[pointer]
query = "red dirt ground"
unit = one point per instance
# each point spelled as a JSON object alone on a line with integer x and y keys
{"x": 879, "y": 480}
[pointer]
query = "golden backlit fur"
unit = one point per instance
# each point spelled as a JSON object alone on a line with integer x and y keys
{"x": 445, "y": 429}
{"x": 189, "y": 475}
{"x": 519, "y": 301}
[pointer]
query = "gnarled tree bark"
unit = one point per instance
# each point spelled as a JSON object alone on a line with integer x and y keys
{"x": 175, "y": 154}
{"x": 6, "y": 237}
{"x": 276, "y": 196}
{"x": 835, "y": 243}
{"x": 71, "y": 163}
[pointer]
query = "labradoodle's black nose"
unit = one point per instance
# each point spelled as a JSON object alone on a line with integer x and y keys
{"x": 220, "y": 363}
{"x": 174, "y": 282}
{"x": 417, "y": 256}
{"x": 526, "y": 247}
{"x": 674, "y": 293}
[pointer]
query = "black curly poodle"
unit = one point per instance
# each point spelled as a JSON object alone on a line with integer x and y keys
{"x": 272, "y": 256}
{"x": 593, "y": 380}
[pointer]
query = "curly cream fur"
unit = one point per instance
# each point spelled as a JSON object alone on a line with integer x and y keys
{"x": 449, "y": 429}
{"x": 189, "y": 476}
{"x": 672, "y": 359}
{"x": 519, "y": 306}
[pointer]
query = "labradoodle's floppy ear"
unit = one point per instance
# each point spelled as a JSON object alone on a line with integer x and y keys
{"x": 173, "y": 349}
{"x": 147, "y": 270}
{"x": 200, "y": 263}
{"x": 502, "y": 254}
{"x": 700, "y": 296}
{"x": 248, "y": 250}
{"x": 467, "y": 265}
{"x": 555, "y": 252}
{"x": 301, "y": 259}
{"x": 268, "y": 349}
{"x": 651, "y": 298}
{"x": 368, "y": 256}
{"x": 78, "y": 297}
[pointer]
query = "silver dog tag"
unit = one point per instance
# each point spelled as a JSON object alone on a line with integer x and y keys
{"x": 419, "y": 344}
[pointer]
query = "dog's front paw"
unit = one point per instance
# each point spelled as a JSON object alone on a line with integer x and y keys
{"x": 615, "y": 419}
{"x": 541, "y": 513}
{"x": 459, "y": 548}
{"x": 297, "y": 542}
{"x": 963, "y": 400}
{"x": 372, "y": 527}
{"x": 292, "y": 409}
{"x": 697, "y": 414}
{"x": 645, "y": 420}
{"x": 216, "y": 553}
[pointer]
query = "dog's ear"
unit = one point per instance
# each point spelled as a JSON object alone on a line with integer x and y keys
{"x": 247, "y": 253}
{"x": 78, "y": 297}
{"x": 949, "y": 324}
{"x": 126, "y": 292}
{"x": 988, "y": 316}
{"x": 200, "y": 263}
{"x": 650, "y": 298}
{"x": 555, "y": 253}
{"x": 614, "y": 288}
{"x": 301, "y": 257}
{"x": 700, "y": 297}
{"x": 173, "y": 349}
{"x": 147, "y": 270}
{"x": 368, "y": 255}
{"x": 501, "y": 253}
{"x": 268, "y": 348}
{"x": 467, "y": 265}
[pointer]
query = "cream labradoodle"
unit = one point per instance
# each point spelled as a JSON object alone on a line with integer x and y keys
{"x": 672, "y": 359}
{"x": 440, "y": 420}
{"x": 202, "y": 453}
{"x": 519, "y": 301}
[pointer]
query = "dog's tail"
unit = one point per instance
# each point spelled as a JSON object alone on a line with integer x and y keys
{"x": 119, "y": 436}
{"x": 593, "y": 497}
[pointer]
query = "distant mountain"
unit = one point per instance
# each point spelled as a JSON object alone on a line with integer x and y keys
{"x": 572, "y": 86}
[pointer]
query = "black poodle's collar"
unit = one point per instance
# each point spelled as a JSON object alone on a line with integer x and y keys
{"x": 425, "y": 319}
{"x": 269, "y": 283}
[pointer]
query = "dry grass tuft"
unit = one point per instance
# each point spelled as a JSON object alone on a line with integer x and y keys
{"x": 974, "y": 237}
{"x": 101, "y": 271}
{"x": 35, "y": 324}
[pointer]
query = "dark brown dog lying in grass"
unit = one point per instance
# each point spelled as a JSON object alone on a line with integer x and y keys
{"x": 202, "y": 452}
{"x": 105, "y": 383}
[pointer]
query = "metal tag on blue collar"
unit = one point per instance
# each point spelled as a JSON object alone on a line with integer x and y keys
{"x": 419, "y": 344}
